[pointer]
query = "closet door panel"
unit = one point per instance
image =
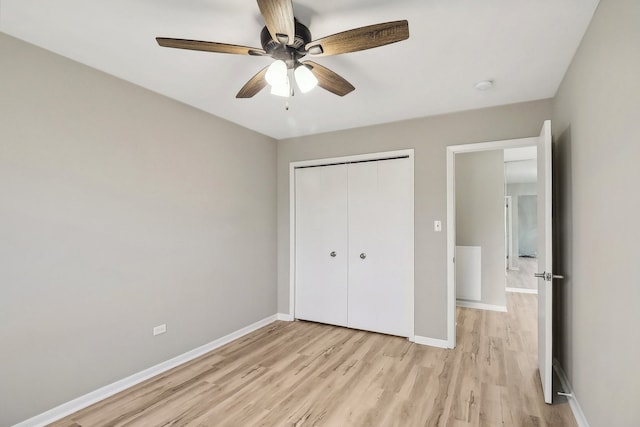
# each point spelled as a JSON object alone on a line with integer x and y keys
{"x": 380, "y": 241}
{"x": 321, "y": 244}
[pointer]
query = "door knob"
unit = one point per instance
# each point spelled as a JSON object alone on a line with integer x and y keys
{"x": 333, "y": 254}
{"x": 363, "y": 255}
{"x": 548, "y": 276}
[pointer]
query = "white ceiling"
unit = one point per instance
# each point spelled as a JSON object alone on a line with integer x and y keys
{"x": 524, "y": 45}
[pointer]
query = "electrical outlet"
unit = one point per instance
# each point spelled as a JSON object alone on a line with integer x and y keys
{"x": 437, "y": 225}
{"x": 160, "y": 329}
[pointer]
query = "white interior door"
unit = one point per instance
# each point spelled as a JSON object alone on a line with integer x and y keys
{"x": 381, "y": 246}
{"x": 321, "y": 244}
{"x": 545, "y": 262}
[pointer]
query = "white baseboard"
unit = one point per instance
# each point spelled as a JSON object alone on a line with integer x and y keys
{"x": 481, "y": 306}
{"x": 581, "y": 420}
{"x": 433, "y": 342}
{"x": 285, "y": 317}
{"x": 522, "y": 291}
{"x": 109, "y": 390}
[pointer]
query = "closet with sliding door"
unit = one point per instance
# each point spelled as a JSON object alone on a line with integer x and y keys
{"x": 354, "y": 243}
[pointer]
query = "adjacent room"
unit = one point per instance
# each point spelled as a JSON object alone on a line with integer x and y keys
{"x": 349, "y": 213}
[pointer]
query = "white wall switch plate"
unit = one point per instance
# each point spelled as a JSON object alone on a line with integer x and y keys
{"x": 437, "y": 225}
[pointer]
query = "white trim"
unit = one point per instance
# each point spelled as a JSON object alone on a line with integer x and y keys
{"x": 433, "y": 342}
{"x": 355, "y": 158}
{"x": 292, "y": 216}
{"x": 481, "y": 306}
{"x": 284, "y": 317}
{"x": 292, "y": 238}
{"x": 411, "y": 291}
{"x": 451, "y": 250}
{"x": 581, "y": 420}
{"x": 494, "y": 145}
{"x": 102, "y": 393}
{"x": 509, "y": 230}
{"x": 452, "y": 150}
{"x": 522, "y": 291}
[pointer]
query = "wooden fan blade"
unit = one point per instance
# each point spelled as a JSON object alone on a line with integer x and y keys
{"x": 278, "y": 17}
{"x": 360, "y": 39}
{"x": 254, "y": 85}
{"x": 329, "y": 80}
{"x": 209, "y": 46}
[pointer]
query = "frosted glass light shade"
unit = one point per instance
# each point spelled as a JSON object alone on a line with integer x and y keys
{"x": 305, "y": 79}
{"x": 277, "y": 73}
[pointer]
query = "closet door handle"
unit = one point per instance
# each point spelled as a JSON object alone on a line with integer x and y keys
{"x": 333, "y": 254}
{"x": 363, "y": 255}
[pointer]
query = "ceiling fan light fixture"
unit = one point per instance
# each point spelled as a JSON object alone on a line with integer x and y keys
{"x": 277, "y": 74}
{"x": 305, "y": 79}
{"x": 286, "y": 40}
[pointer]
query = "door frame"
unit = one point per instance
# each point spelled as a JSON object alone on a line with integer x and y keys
{"x": 385, "y": 155}
{"x": 509, "y": 230}
{"x": 452, "y": 150}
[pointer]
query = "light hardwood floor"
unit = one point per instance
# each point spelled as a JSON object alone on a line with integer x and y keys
{"x": 524, "y": 276}
{"x": 307, "y": 374}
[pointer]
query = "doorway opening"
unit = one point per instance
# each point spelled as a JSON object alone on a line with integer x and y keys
{"x": 454, "y": 246}
{"x": 544, "y": 239}
{"x": 521, "y": 219}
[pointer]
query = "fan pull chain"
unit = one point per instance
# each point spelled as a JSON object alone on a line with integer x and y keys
{"x": 286, "y": 103}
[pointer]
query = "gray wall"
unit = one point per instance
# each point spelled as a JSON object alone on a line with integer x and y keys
{"x": 429, "y": 137}
{"x": 515, "y": 190}
{"x": 528, "y": 226}
{"x": 480, "y": 216}
{"x": 597, "y": 135}
{"x": 119, "y": 210}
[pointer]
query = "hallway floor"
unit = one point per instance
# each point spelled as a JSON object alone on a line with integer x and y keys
{"x": 523, "y": 278}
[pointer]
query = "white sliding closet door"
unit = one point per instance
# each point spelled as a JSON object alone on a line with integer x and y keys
{"x": 321, "y": 244}
{"x": 380, "y": 204}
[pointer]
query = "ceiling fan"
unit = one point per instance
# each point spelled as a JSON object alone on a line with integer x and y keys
{"x": 287, "y": 41}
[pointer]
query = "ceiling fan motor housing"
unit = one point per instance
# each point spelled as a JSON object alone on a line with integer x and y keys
{"x": 290, "y": 53}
